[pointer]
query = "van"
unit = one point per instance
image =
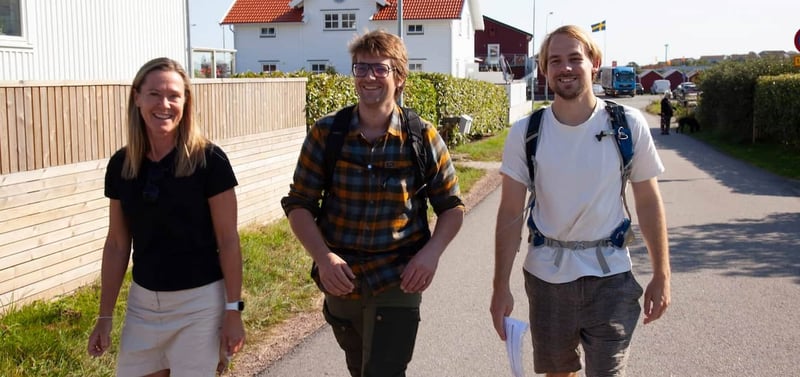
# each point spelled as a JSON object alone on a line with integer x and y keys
{"x": 660, "y": 86}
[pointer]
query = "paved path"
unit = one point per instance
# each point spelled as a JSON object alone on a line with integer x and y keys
{"x": 736, "y": 283}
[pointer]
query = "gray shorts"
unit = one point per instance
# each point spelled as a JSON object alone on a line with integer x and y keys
{"x": 597, "y": 313}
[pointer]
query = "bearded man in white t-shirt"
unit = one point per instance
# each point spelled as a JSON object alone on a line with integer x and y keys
{"x": 581, "y": 292}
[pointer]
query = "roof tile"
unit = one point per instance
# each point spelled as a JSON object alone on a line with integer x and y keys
{"x": 267, "y": 11}
{"x": 421, "y": 10}
{"x": 262, "y": 11}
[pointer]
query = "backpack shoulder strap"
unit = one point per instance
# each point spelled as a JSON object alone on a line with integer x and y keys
{"x": 624, "y": 141}
{"x": 532, "y": 140}
{"x": 624, "y": 137}
{"x": 335, "y": 141}
{"x": 412, "y": 124}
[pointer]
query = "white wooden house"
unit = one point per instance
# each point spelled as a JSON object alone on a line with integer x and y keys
{"x": 87, "y": 40}
{"x": 289, "y": 35}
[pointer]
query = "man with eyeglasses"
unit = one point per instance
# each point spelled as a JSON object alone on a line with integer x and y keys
{"x": 373, "y": 251}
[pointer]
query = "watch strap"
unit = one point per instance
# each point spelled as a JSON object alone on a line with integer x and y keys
{"x": 236, "y": 305}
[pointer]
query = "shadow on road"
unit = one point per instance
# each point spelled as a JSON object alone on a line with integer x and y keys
{"x": 739, "y": 177}
{"x": 768, "y": 247}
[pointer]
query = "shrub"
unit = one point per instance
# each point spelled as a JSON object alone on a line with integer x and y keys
{"x": 728, "y": 91}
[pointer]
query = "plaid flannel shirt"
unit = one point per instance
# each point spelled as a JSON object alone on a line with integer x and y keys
{"x": 372, "y": 217}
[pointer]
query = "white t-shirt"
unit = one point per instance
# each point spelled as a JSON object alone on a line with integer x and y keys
{"x": 578, "y": 189}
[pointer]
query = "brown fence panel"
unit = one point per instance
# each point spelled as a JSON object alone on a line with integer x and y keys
{"x": 55, "y": 140}
{"x": 52, "y": 124}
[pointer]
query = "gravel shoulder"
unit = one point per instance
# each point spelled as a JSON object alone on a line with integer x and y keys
{"x": 255, "y": 357}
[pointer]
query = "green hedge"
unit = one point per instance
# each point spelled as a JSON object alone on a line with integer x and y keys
{"x": 776, "y": 113}
{"x": 433, "y": 95}
{"x": 727, "y": 102}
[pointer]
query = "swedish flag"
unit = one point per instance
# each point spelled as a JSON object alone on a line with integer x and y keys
{"x": 600, "y": 26}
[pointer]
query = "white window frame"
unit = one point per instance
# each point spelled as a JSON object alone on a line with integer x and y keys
{"x": 268, "y": 32}
{"x": 270, "y": 64}
{"x": 415, "y": 29}
{"x": 338, "y": 20}
{"x": 21, "y": 40}
{"x": 318, "y": 66}
{"x": 348, "y": 21}
{"x": 416, "y": 66}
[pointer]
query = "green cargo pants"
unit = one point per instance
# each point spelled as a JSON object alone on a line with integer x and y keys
{"x": 377, "y": 333}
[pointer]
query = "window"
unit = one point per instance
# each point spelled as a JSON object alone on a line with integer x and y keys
{"x": 348, "y": 20}
{"x": 331, "y": 21}
{"x": 267, "y": 32}
{"x": 319, "y": 67}
{"x": 340, "y": 21}
{"x": 12, "y": 23}
{"x": 10, "y": 18}
{"x": 415, "y": 29}
{"x": 269, "y": 67}
{"x": 415, "y": 66}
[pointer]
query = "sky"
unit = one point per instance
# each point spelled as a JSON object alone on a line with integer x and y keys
{"x": 637, "y": 31}
{"x": 204, "y": 17}
{"x": 644, "y": 32}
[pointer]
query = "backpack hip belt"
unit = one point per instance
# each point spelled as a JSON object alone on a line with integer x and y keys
{"x": 621, "y": 237}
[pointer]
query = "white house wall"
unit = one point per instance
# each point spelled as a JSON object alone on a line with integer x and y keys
{"x": 295, "y": 44}
{"x": 445, "y": 47}
{"x": 86, "y": 40}
{"x": 463, "y": 42}
{"x": 432, "y": 47}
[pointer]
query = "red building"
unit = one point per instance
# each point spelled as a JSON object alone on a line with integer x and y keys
{"x": 647, "y": 78}
{"x": 498, "y": 44}
{"x": 675, "y": 77}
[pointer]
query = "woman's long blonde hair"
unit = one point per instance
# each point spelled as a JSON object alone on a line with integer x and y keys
{"x": 190, "y": 142}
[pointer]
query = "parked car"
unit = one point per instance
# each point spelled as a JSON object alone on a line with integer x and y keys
{"x": 686, "y": 93}
{"x": 598, "y": 89}
{"x": 683, "y": 88}
{"x": 639, "y": 88}
{"x": 660, "y": 87}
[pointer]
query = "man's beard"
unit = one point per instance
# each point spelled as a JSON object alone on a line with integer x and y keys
{"x": 570, "y": 94}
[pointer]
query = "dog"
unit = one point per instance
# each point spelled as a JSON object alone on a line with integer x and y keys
{"x": 690, "y": 121}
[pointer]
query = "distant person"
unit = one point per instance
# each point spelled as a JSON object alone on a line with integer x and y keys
{"x": 373, "y": 251}
{"x": 581, "y": 291}
{"x": 666, "y": 113}
{"x": 172, "y": 197}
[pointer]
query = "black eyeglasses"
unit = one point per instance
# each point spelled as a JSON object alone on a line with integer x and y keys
{"x": 151, "y": 191}
{"x": 379, "y": 70}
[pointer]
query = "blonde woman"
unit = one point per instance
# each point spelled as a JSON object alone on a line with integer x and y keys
{"x": 172, "y": 198}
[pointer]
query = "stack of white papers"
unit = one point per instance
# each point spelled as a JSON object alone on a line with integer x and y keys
{"x": 515, "y": 330}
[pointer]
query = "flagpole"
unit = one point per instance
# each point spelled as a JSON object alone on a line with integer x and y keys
{"x": 601, "y": 26}
{"x": 400, "y": 34}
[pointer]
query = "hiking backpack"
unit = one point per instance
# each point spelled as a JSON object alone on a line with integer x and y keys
{"x": 622, "y": 136}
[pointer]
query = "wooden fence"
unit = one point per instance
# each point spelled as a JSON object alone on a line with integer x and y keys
{"x": 55, "y": 141}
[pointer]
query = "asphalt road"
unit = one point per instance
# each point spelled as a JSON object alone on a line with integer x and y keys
{"x": 735, "y": 254}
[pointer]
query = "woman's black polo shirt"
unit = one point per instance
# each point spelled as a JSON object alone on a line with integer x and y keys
{"x": 174, "y": 245}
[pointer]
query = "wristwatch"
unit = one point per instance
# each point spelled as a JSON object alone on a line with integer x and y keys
{"x": 236, "y": 305}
